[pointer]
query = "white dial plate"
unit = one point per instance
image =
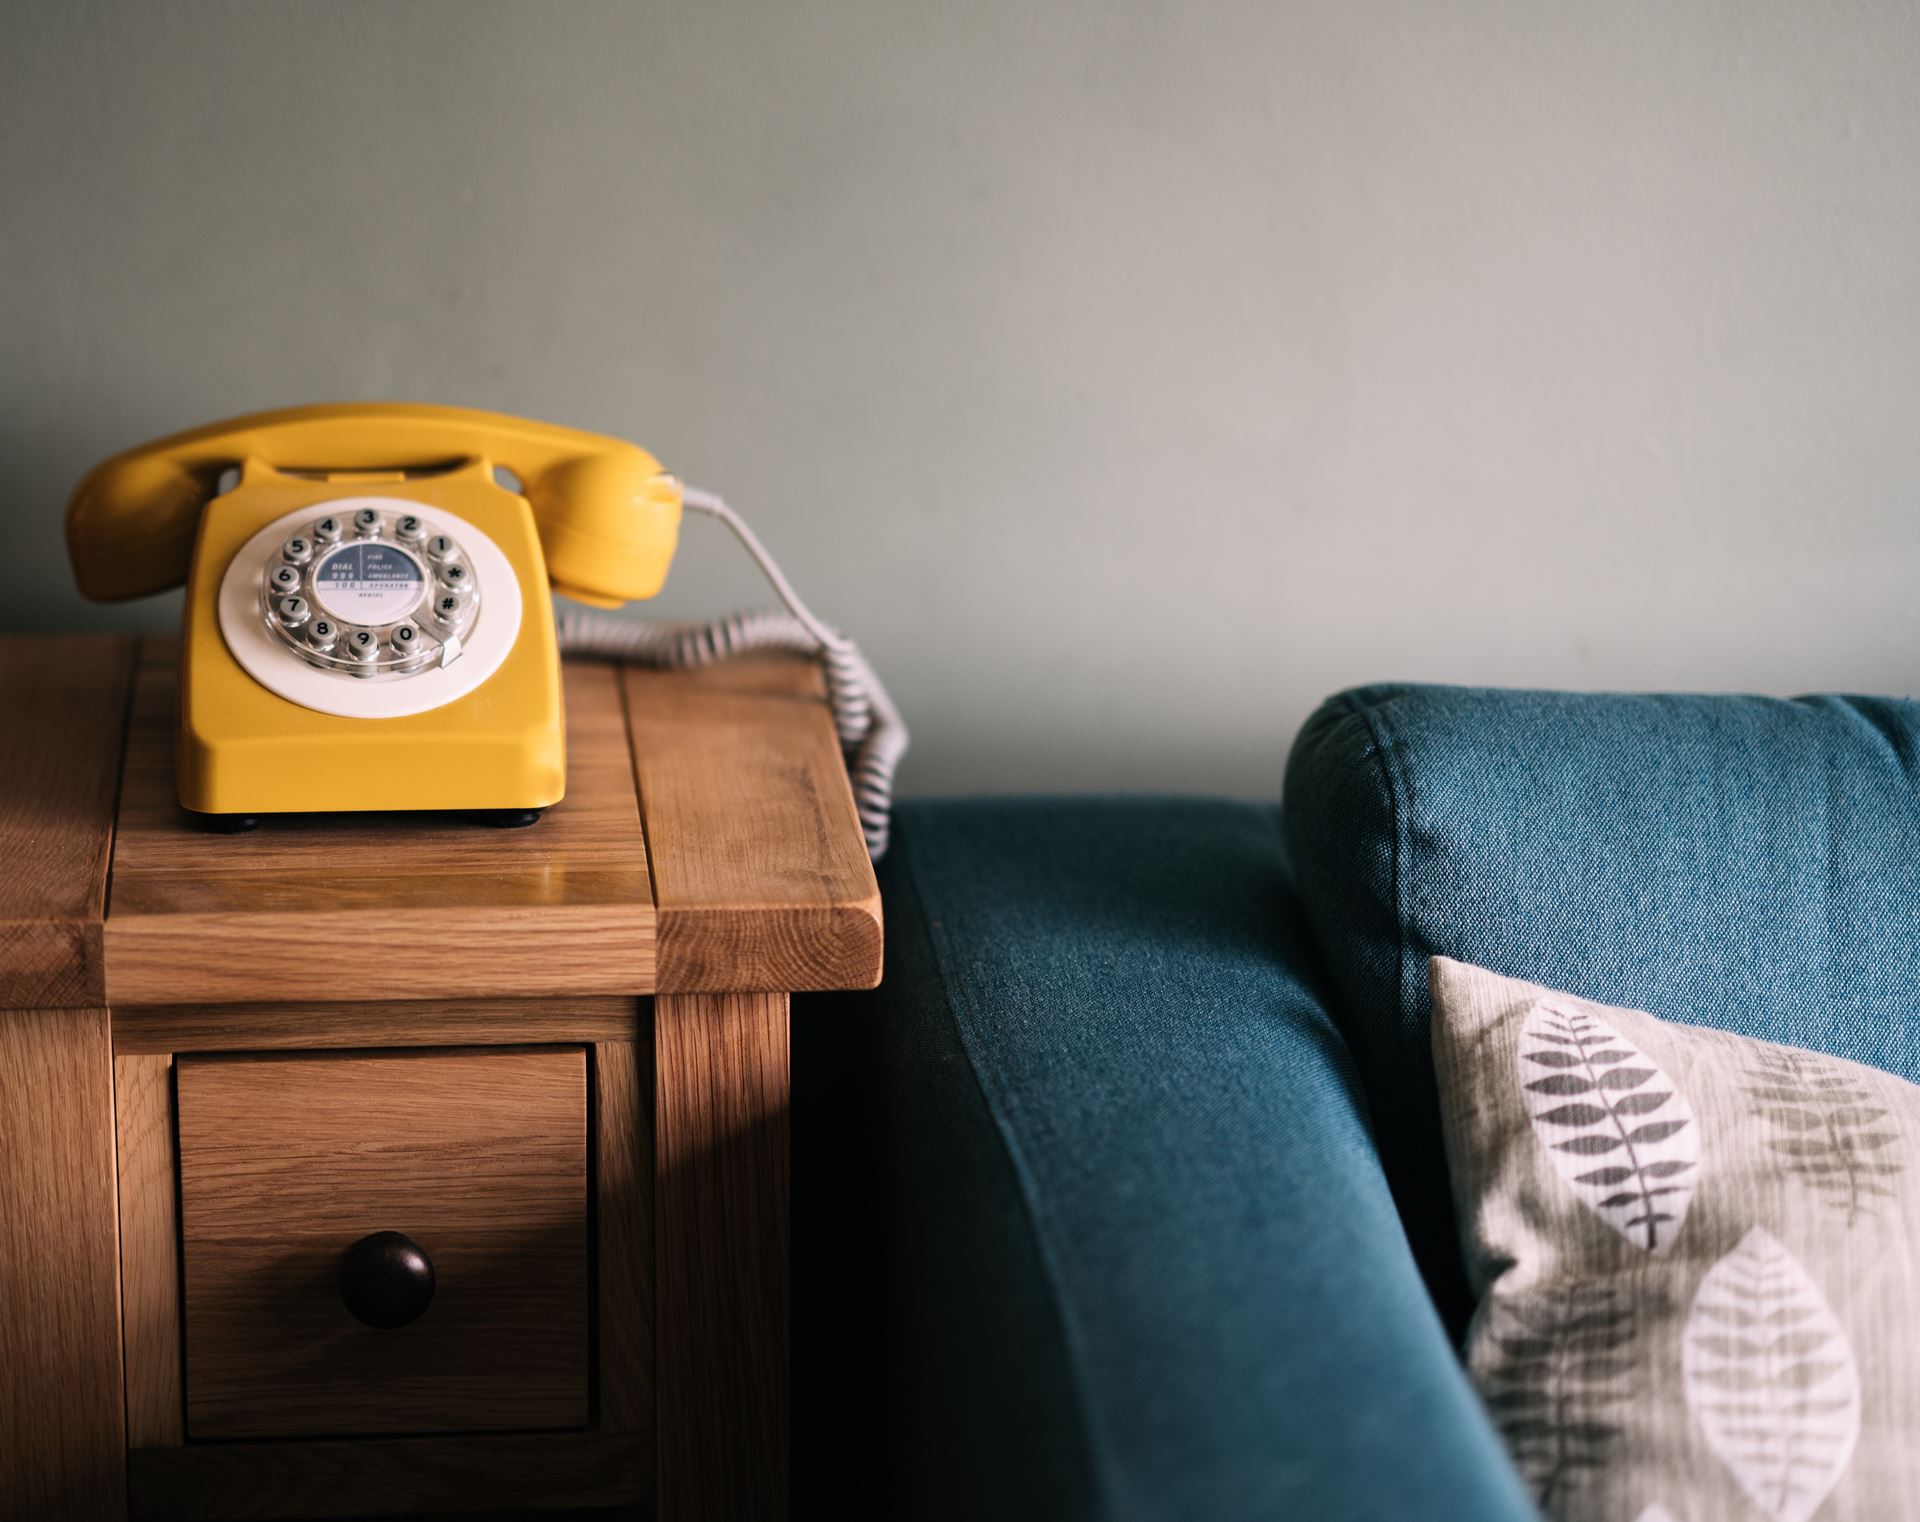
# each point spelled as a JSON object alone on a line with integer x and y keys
{"x": 279, "y": 670}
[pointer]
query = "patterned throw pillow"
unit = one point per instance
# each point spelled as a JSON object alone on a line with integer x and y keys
{"x": 1696, "y": 1257}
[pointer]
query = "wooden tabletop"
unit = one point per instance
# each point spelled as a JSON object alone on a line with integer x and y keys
{"x": 707, "y": 843}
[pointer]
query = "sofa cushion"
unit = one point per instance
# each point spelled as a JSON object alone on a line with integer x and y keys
{"x": 1108, "y": 1235}
{"x": 1748, "y": 863}
{"x": 1698, "y": 1257}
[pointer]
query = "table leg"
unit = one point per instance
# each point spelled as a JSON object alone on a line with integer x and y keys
{"x": 62, "y": 1413}
{"x": 722, "y": 1229}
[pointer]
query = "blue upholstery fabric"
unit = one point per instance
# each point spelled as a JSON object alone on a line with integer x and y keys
{"x": 1747, "y": 863}
{"x": 1125, "y": 1249}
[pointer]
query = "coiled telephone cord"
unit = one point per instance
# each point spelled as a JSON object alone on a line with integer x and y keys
{"x": 872, "y": 733}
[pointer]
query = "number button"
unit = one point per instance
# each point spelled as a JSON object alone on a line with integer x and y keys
{"x": 363, "y": 645}
{"x": 366, "y": 522}
{"x": 440, "y": 548}
{"x": 409, "y": 528}
{"x": 405, "y": 640}
{"x": 321, "y": 633}
{"x": 327, "y": 530}
{"x": 293, "y": 611}
{"x": 285, "y": 579}
{"x": 297, "y": 551}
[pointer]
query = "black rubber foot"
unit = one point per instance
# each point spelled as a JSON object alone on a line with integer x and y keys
{"x": 231, "y": 824}
{"x": 509, "y": 819}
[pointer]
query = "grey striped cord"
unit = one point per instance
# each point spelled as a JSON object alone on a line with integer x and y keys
{"x": 872, "y": 733}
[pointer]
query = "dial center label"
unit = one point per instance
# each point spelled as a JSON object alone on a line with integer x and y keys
{"x": 369, "y": 583}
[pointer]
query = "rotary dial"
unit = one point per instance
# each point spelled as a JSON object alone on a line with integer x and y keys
{"x": 371, "y": 594}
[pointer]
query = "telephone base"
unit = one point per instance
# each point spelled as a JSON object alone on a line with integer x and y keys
{"x": 248, "y": 747}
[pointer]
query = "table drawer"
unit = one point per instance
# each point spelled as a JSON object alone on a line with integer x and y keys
{"x": 478, "y": 1157}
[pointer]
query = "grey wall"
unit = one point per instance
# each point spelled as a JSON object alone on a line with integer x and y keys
{"x": 1124, "y": 376}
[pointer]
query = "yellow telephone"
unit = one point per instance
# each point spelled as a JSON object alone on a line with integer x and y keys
{"x": 367, "y": 620}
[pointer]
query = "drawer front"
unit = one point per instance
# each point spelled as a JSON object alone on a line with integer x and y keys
{"x": 478, "y": 1157}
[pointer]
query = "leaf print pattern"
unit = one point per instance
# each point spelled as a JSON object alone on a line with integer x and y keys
{"x": 1617, "y": 1129}
{"x": 1826, "y": 1124}
{"x": 1554, "y": 1379}
{"x": 1771, "y": 1379}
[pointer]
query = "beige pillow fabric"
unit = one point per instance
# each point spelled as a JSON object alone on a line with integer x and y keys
{"x": 1697, "y": 1257}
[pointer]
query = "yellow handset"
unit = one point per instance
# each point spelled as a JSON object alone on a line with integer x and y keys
{"x": 367, "y": 621}
{"x": 608, "y": 514}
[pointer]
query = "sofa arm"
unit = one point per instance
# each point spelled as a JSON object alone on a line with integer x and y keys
{"x": 1088, "y": 1218}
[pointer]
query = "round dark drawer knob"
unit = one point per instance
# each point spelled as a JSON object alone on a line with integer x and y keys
{"x": 386, "y": 1280}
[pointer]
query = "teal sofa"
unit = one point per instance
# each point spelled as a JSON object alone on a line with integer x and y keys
{"x": 1124, "y": 1197}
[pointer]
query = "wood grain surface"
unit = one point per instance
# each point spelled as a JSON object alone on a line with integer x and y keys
{"x": 623, "y": 1185}
{"x": 479, "y": 1156}
{"x": 63, "y": 710}
{"x": 239, "y": 1482}
{"x": 760, "y": 872}
{"x": 722, "y": 1227}
{"x": 433, "y": 907}
{"x": 300, "y": 1026}
{"x": 62, "y": 1427}
{"x": 758, "y": 877}
{"x": 149, "y": 1252}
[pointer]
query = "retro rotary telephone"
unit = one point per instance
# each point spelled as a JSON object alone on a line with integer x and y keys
{"x": 367, "y": 618}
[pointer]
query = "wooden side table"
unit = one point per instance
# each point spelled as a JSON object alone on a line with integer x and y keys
{"x": 554, "y": 1060}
